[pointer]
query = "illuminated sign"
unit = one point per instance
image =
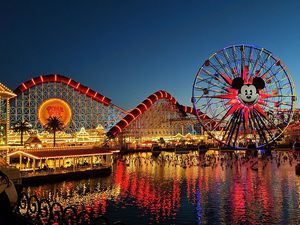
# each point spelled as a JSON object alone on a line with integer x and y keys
{"x": 55, "y": 107}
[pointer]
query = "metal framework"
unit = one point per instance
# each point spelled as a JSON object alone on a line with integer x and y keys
{"x": 87, "y": 109}
{"x": 40, "y": 211}
{"x": 162, "y": 119}
{"x": 158, "y": 115}
{"x": 248, "y": 92}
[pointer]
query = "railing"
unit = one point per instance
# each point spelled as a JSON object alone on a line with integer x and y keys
{"x": 35, "y": 211}
{"x": 58, "y": 148}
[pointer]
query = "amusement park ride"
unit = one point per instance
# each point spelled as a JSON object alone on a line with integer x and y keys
{"x": 86, "y": 107}
{"x": 249, "y": 94}
{"x": 79, "y": 107}
{"x": 242, "y": 95}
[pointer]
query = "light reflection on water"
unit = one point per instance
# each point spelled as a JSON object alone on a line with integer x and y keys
{"x": 148, "y": 191}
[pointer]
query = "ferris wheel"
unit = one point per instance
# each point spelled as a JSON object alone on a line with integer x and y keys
{"x": 248, "y": 95}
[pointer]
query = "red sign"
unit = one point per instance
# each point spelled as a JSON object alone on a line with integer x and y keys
{"x": 55, "y": 107}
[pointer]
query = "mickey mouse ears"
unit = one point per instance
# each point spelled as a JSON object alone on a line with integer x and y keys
{"x": 238, "y": 82}
{"x": 258, "y": 82}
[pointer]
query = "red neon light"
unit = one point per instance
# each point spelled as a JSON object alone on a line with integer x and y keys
{"x": 139, "y": 110}
{"x": 59, "y": 78}
{"x": 132, "y": 115}
{"x": 24, "y": 86}
{"x": 235, "y": 103}
{"x": 226, "y": 78}
{"x": 125, "y": 122}
{"x": 161, "y": 93}
{"x": 55, "y": 110}
{"x": 120, "y": 130}
{"x": 144, "y": 105}
{"x": 87, "y": 91}
{"x": 191, "y": 110}
{"x": 150, "y": 101}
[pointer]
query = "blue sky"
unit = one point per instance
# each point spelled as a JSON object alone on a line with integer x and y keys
{"x": 127, "y": 50}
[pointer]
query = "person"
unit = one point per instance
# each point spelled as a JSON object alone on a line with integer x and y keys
{"x": 8, "y": 197}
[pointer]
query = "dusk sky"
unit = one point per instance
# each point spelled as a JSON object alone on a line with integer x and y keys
{"x": 126, "y": 50}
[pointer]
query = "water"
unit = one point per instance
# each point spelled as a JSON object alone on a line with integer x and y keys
{"x": 145, "y": 190}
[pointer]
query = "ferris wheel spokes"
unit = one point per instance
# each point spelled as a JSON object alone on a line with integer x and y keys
{"x": 239, "y": 87}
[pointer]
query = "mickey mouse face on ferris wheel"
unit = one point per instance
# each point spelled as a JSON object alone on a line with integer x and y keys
{"x": 248, "y": 93}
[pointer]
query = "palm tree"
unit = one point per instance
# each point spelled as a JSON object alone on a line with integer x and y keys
{"x": 54, "y": 124}
{"x": 22, "y": 126}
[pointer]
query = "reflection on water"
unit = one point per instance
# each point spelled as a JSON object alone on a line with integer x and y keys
{"x": 180, "y": 189}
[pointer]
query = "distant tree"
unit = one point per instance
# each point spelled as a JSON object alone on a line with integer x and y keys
{"x": 22, "y": 126}
{"x": 53, "y": 125}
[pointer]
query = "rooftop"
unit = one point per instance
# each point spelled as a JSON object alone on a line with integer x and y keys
{"x": 60, "y": 153}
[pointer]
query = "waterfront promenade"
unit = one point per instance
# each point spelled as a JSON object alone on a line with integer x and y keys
{"x": 219, "y": 186}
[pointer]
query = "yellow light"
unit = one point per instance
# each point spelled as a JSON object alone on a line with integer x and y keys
{"x": 55, "y": 107}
